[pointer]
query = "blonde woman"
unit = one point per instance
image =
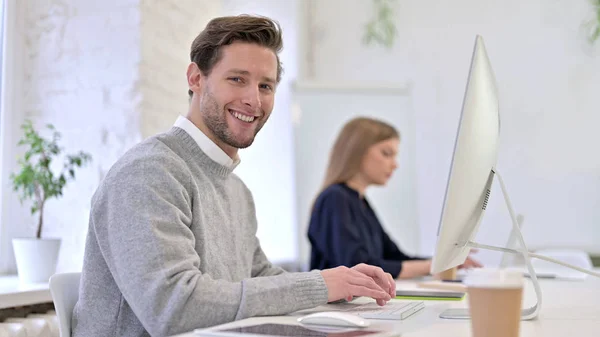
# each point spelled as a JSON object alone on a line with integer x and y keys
{"x": 344, "y": 229}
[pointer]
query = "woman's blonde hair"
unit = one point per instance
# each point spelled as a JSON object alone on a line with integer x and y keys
{"x": 351, "y": 145}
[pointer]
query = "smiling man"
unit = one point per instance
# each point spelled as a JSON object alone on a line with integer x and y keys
{"x": 172, "y": 240}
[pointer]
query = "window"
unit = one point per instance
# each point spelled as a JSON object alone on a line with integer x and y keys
{"x": 1, "y": 48}
{"x": 5, "y": 244}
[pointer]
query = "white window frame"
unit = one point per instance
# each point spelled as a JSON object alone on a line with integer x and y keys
{"x": 1, "y": 49}
{"x": 11, "y": 117}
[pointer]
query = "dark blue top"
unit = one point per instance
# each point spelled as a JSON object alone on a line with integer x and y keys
{"x": 344, "y": 231}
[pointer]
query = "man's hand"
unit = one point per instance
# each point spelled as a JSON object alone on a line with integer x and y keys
{"x": 345, "y": 283}
{"x": 383, "y": 279}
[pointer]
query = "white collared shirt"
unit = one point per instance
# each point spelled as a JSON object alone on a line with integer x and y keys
{"x": 212, "y": 150}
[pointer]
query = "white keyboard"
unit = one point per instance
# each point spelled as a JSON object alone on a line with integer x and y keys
{"x": 392, "y": 310}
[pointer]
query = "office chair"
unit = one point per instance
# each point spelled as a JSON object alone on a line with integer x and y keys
{"x": 65, "y": 293}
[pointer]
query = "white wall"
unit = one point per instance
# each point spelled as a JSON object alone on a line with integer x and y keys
{"x": 97, "y": 72}
{"x": 167, "y": 31}
{"x": 106, "y": 83}
{"x": 267, "y": 167}
{"x": 81, "y": 75}
{"x": 322, "y": 112}
{"x": 547, "y": 78}
{"x": 109, "y": 74}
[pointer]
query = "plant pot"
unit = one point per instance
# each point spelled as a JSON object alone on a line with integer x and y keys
{"x": 36, "y": 258}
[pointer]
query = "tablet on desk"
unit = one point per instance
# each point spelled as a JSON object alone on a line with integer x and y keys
{"x": 284, "y": 330}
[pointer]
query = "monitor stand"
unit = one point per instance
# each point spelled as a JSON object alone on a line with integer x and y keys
{"x": 527, "y": 313}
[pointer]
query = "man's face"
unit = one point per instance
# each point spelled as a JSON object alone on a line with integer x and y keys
{"x": 237, "y": 96}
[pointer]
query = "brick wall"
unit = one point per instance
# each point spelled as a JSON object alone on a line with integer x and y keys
{"x": 107, "y": 74}
{"x": 168, "y": 29}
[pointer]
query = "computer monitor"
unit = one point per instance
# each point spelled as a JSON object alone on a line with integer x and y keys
{"x": 472, "y": 167}
{"x": 472, "y": 171}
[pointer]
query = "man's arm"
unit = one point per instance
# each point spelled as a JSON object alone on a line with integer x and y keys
{"x": 141, "y": 219}
{"x": 261, "y": 266}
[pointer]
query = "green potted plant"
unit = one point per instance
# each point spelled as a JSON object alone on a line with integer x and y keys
{"x": 35, "y": 181}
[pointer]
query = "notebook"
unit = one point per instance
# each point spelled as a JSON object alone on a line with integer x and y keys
{"x": 432, "y": 295}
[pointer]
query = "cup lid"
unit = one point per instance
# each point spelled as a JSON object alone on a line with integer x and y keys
{"x": 494, "y": 278}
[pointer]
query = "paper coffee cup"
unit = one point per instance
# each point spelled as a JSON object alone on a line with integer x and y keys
{"x": 448, "y": 274}
{"x": 495, "y": 299}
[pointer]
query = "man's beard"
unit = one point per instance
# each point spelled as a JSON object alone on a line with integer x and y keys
{"x": 216, "y": 121}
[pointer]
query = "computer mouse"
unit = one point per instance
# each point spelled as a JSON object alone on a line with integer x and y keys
{"x": 334, "y": 318}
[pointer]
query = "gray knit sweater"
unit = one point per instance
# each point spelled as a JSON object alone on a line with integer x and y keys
{"x": 172, "y": 247}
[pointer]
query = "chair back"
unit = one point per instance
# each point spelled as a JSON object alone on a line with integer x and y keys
{"x": 65, "y": 293}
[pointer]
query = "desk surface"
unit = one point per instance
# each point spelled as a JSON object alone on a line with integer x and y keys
{"x": 569, "y": 308}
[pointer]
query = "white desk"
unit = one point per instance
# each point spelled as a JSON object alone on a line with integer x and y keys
{"x": 569, "y": 308}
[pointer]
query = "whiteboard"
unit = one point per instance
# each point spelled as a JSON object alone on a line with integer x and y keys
{"x": 319, "y": 112}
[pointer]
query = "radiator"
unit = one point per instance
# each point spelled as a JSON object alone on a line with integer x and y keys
{"x": 34, "y": 325}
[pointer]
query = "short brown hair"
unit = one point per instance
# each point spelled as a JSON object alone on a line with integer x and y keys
{"x": 222, "y": 31}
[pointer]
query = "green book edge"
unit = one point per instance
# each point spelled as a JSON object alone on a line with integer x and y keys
{"x": 429, "y": 298}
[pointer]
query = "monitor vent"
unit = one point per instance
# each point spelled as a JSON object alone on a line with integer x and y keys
{"x": 487, "y": 197}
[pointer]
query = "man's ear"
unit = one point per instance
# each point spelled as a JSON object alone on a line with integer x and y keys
{"x": 194, "y": 78}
